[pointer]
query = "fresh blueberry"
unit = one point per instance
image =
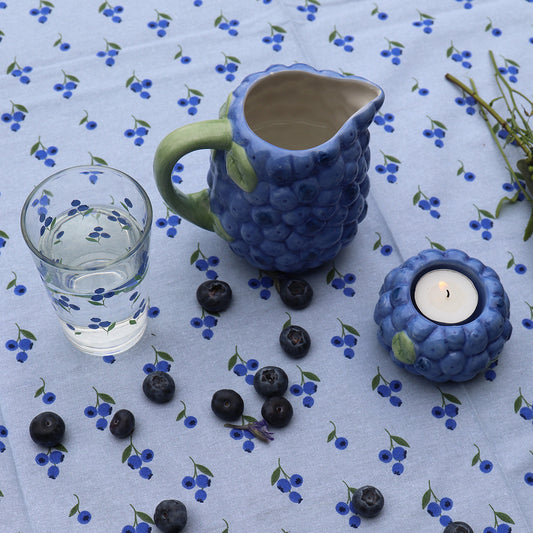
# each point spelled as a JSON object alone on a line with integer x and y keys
{"x": 122, "y": 424}
{"x": 227, "y": 404}
{"x": 368, "y": 501}
{"x": 159, "y": 386}
{"x": 170, "y": 516}
{"x": 271, "y": 381}
{"x": 295, "y": 341}
{"x": 277, "y": 411}
{"x": 47, "y": 429}
{"x": 214, "y": 295}
{"x": 458, "y": 527}
{"x": 296, "y": 293}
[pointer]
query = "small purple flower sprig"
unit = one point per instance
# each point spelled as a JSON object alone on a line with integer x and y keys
{"x": 242, "y": 367}
{"x": 341, "y": 281}
{"x": 101, "y": 409}
{"x": 52, "y": 458}
{"x": 288, "y": 483}
{"x": 501, "y": 522}
{"x": 341, "y": 443}
{"x": 307, "y": 387}
{"x": 447, "y": 409}
{"x": 47, "y": 397}
{"x": 396, "y": 452}
{"x": 435, "y": 506}
{"x": 200, "y": 479}
{"x": 485, "y": 465}
{"x": 23, "y": 343}
{"x": 347, "y": 338}
{"x": 386, "y": 388}
{"x": 188, "y": 420}
{"x": 83, "y": 517}
{"x": 250, "y": 428}
{"x": 135, "y": 459}
{"x": 385, "y": 249}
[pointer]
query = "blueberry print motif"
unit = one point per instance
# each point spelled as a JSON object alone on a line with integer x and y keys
{"x": 310, "y": 9}
{"x": 140, "y": 129}
{"x": 52, "y": 458}
{"x": 347, "y": 339}
{"x": 384, "y": 120}
{"x": 111, "y": 12}
{"x": 523, "y": 407}
{"x": 161, "y": 362}
{"x": 501, "y": 522}
{"x": 385, "y": 249}
{"x": 340, "y": 281}
{"x": 342, "y": 41}
{"x": 3, "y": 240}
{"x": 61, "y": 44}
{"x": 21, "y": 72}
{"x": 528, "y": 477}
{"x": 275, "y": 38}
{"x": 48, "y": 398}
{"x": 43, "y": 11}
{"x": 306, "y": 388}
{"x": 83, "y": 517}
{"x": 287, "y": 483}
{"x": 425, "y": 22}
{"x": 467, "y": 175}
{"x": 3, "y": 434}
{"x": 101, "y": 410}
{"x": 485, "y": 465}
{"x": 67, "y": 86}
{"x": 15, "y": 116}
{"x": 243, "y": 368}
{"x": 468, "y": 102}
{"x": 519, "y": 268}
{"x": 394, "y": 51}
{"x": 381, "y": 15}
{"x": 205, "y": 263}
{"x": 141, "y": 522}
{"x": 387, "y": 389}
{"x": 448, "y": 409}
{"x": 263, "y": 284}
{"x": 528, "y": 322}
{"x": 89, "y": 124}
{"x": 437, "y": 507}
{"x": 160, "y": 24}
{"x": 437, "y": 132}
{"x": 510, "y": 69}
{"x": 184, "y": 59}
{"x": 345, "y": 508}
{"x": 390, "y": 167}
{"x": 422, "y": 91}
{"x": 427, "y": 203}
{"x": 169, "y": 223}
{"x": 188, "y": 420}
{"x": 483, "y": 224}
{"x": 22, "y": 344}
{"x": 139, "y": 86}
{"x": 459, "y": 56}
{"x": 110, "y": 53}
{"x": 341, "y": 443}
{"x": 229, "y": 26}
{"x": 18, "y": 288}
{"x": 43, "y": 153}
{"x": 229, "y": 67}
{"x": 395, "y": 453}
{"x": 200, "y": 480}
{"x": 137, "y": 459}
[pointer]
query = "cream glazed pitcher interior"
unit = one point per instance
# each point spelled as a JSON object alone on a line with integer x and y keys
{"x": 287, "y": 182}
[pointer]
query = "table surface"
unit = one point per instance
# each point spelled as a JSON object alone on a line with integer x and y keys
{"x": 470, "y": 465}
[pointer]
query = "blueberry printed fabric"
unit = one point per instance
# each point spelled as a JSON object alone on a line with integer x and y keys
{"x": 102, "y": 83}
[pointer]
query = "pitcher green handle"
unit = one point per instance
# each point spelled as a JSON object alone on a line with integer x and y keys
{"x": 194, "y": 207}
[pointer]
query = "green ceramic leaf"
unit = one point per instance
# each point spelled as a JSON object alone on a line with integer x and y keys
{"x": 239, "y": 168}
{"x": 403, "y": 348}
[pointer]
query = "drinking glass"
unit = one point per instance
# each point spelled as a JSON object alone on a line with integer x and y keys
{"x": 88, "y": 228}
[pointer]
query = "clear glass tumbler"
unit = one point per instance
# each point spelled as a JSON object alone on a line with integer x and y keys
{"x": 88, "y": 229}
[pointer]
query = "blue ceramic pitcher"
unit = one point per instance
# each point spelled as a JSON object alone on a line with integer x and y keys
{"x": 287, "y": 183}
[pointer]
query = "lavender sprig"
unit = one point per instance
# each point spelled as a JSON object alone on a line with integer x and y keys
{"x": 257, "y": 428}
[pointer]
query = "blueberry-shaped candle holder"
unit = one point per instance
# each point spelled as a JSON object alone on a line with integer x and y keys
{"x": 443, "y": 315}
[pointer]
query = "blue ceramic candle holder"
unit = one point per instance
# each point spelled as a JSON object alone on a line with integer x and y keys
{"x": 436, "y": 350}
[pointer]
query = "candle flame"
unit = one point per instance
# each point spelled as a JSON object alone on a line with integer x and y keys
{"x": 443, "y": 286}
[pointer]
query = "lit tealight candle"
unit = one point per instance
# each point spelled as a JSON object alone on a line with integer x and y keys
{"x": 446, "y": 296}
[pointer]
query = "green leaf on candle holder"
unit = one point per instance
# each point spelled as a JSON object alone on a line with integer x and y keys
{"x": 403, "y": 348}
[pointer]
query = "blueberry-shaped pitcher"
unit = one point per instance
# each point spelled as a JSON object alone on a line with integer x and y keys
{"x": 287, "y": 183}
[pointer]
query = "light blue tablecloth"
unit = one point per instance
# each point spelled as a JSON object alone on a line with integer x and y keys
{"x": 469, "y": 465}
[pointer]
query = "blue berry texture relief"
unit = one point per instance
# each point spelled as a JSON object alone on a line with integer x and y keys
{"x": 442, "y": 352}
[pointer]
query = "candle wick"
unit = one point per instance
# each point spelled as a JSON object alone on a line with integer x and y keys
{"x": 447, "y": 293}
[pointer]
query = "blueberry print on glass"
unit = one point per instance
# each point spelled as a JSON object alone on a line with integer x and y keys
{"x": 90, "y": 244}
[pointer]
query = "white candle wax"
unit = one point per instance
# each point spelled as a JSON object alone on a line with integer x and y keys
{"x": 446, "y": 296}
